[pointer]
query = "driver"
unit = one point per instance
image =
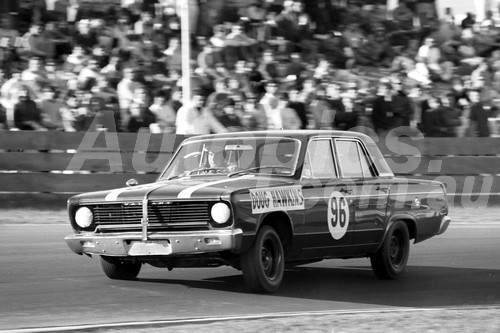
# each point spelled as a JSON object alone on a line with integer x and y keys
{"x": 216, "y": 158}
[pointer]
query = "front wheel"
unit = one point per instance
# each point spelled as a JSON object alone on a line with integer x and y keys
{"x": 389, "y": 262}
{"x": 263, "y": 264}
{"x": 117, "y": 269}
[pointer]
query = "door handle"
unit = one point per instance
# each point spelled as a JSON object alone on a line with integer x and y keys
{"x": 346, "y": 190}
{"x": 384, "y": 189}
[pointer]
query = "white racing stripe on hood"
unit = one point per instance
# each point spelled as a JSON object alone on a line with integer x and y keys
{"x": 113, "y": 195}
{"x": 186, "y": 193}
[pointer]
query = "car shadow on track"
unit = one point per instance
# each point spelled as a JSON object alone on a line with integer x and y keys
{"x": 421, "y": 286}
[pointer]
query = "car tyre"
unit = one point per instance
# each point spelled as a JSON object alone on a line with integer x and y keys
{"x": 263, "y": 264}
{"x": 117, "y": 269}
{"x": 389, "y": 262}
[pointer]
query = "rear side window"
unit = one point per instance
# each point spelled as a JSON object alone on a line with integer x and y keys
{"x": 352, "y": 159}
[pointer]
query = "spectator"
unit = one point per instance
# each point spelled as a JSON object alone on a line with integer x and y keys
{"x": 35, "y": 75}
{"x": 196, "y": 118}
{"x": 218, "y": 42}
{"x": 50, "y": 107}
{"x": 55, "y": 76}
{"x": 403, "y": 16}
{"x": 287, "y": 21}
{"x": 176, "y": 99}
{"x": 62, "y": 42}
{"x": 85, "y": 36}
{"x": 251, "y": 118}
{"x": 383, "y": 111}
{"x": 8, "y": 42}
{"x": 100, "y": 55}
{"x": 230, "y": 117}
{"x": 402, "y": 106}
{"x": 35, "y": 43}
{"x": 448, "y": 16}
{"x": 144, "y": 23}
{"x": 236, "y": 91}
{"x": 112, "y": 71}
{"x": 239, "y": 46}
{"x": 354, "y": 37}
{"x": 70, "y": 111}
{"x": 9, "y": 94}
{"x": 295, "y": 68}
{"x": 478, "y": 117}
{"x": 269, "y": 67}
{"x": 89, "y": 74}
{"x": 173, "y": 55}
{"x": 440, "y": 120}
{"x": 289, "y": 117}
{"x": 269, "y": 106}
{"x": 337, "y": 52}
{"x": 125, "y": 92}
{"x": 296, "y": 103}
{"x": 76, "y": 60}
{"x": 86, "y": 112}
{"x": 164, "y": 113}
{"x": 430, "y": 55}
{"x": 3, "y": 118}
{"x": 207, "y": 59}
{"x": 322, "y": 113}
{"x": 8, "y": 35}
{"x": 27, "y": 116}
{"x": 469, "y": 21}
{"x": 102, "y": 89}
{"x": 242, "y": 73}
{"x": 139, "y": 113}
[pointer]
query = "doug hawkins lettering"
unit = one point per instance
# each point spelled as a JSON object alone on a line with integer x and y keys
{"x": 277, "y": 198}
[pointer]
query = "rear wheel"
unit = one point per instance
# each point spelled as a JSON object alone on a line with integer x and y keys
{"x": 117, "y": 269}
{"x": 389, "y": 262}
{"x": 263, "y": 264}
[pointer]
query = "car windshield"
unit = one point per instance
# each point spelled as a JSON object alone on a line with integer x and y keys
{"x": 233, "y": 156}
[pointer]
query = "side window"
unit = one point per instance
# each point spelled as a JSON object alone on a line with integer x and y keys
{"x": 352, "y": 159}
{"x": 319, "y": 162}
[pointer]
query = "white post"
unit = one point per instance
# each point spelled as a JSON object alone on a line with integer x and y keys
{"x": 390, "y": 5}
{"x": 186, "y": 52}
{"x": 480, "y": 10}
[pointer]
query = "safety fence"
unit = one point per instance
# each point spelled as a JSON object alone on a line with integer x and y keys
{"x": 43, "y": 169}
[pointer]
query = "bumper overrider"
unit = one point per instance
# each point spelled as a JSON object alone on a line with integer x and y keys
{"x": 157, "y": 244}
{"x": 445, "y": 222}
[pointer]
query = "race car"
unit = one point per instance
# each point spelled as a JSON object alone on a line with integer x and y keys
{"x": 260, "y": 202}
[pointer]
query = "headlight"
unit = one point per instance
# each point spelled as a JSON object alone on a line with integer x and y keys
{"x": 84, "y": 217}
{"x": 220, "y": 213}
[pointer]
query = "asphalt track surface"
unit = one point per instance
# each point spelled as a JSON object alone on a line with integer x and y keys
{"x": 45, "y": 287}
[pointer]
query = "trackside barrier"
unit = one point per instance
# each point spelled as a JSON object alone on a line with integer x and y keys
{"x": 43, "y": 169}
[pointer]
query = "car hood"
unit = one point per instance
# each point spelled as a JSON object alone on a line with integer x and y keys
{"x": 187, "y": 188}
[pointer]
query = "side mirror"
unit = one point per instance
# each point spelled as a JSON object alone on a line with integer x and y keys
{"x": 132, "y": 182}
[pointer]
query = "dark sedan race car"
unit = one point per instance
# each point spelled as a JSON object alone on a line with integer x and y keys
{"x": 260, "y": 202}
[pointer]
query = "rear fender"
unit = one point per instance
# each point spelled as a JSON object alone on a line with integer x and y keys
{"x": 408, "y": 219}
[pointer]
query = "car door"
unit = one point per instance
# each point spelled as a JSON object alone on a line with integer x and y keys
{"x": 367, "y": 194}
{"x": 327, "y": 229}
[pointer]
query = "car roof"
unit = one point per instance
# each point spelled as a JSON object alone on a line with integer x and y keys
{"x": 299, "y": 134}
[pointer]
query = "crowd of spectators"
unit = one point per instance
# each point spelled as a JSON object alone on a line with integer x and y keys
{"x": 273, "y": 67}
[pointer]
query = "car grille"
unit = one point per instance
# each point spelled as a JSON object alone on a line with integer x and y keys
{"x": 163, "y": 216}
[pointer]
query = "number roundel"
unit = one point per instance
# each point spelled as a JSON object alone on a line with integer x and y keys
{"x": 338, "y": 215}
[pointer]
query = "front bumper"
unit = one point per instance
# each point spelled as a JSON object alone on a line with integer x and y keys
{"x": 158, "y": 244}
